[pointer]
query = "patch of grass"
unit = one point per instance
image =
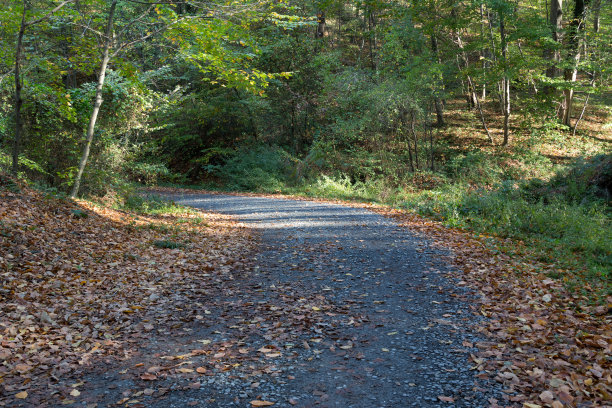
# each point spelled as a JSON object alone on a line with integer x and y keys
{"x": 192, "y": 221}
{"x": 151, "y": 205}
{"x": 158, "y": 227}
{"x": 262, "y": 168}
{"x": 576, "y": 237}
{"x": 168, "y": 244}
{"x": 79, "y": 214}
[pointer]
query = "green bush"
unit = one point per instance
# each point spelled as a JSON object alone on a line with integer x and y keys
{"x": 474, "y": 167}
{"x": 258, "y": 169}
{"x": 148, "y": 173}
{"x": 584, "y": 181}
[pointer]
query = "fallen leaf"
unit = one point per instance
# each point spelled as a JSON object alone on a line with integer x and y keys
{"x": 75, "y": 393}
{"x": 547, "y": 397}
{"x": 23, "y": 368}
{"x": 260, "y": 403}
{"x": 446, "y": 399}
{"x": 565, "y": 397}
{"x": 148, "y": 377}
{"x": 22, "y": 395}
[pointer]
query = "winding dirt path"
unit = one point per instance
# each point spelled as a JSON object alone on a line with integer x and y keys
{"x": 368, "y": 316}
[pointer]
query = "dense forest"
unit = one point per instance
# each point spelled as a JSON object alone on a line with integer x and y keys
{"x": 493, "y": 115}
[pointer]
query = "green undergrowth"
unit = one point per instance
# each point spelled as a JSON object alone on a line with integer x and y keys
{"x": 150, "y": 204}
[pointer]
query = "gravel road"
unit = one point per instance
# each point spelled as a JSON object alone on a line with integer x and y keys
{"x": 396, "y": 332}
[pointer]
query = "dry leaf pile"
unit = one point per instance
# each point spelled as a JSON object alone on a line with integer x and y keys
{"x": 77, "y": 281}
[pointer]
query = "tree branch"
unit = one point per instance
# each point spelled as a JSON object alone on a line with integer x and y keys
{"x": 49, "y": 14}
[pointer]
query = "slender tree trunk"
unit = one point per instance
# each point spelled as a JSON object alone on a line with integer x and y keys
{"x": 472, "y": 88}
{"x": 506, "y": 79}
{"x": 586, "y": 102}
{"x": 484, "y": 52}
{"x": 482, "y": 118}
{"x": 416, "y": 141}
{"x": 321, "y": 24}
{"x": 372, "y": 39}
{"x": 108, "y": 40}
{"x": 500, "y": 96}
{"x": 596, "y": 12}
{"x": 555, "y": 21}
{"x": 437, "y": 102}
{"x": 18, "y": 84}
{"x": 575, "y": 48}
{"x": 18, "y": 100}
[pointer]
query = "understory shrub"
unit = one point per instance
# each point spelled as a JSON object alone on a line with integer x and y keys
{"x": 259, "y": 169}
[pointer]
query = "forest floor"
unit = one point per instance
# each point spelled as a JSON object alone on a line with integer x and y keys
{"x": 314, "y": 304}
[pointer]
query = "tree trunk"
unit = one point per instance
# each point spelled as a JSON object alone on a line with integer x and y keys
{"x": 506, "y": 79}
{"x": 321, "y": 24}
{"x": 472, "y": 97}
{"x": 596, "y": 12}
{"x": 19, "y": 84}
{"x": 372, "y": 38}
{"x": 108, "y": 40}
{"x": 437, "y": 102}
{"x": 574, "y": 54}
{"x": 482, "y": 118}
{"x": 18, "y": 100}
{"x": 416, "y": 141}
{"x": 483, "y": 53}
{"x": 555, "y": 21}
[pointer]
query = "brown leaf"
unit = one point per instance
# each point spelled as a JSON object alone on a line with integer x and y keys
{"x": 446, "y": 399}
{"x": 547, "y": 397}
{"x": 565, "y": 397}
{"x": 23, "y": 368}
{"x": 22, "y": 395}
{"x": 148, "y": 377}
{"x": 260, "y": 403}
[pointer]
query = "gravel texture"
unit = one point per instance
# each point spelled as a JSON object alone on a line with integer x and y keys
{"x": 362, "y": 312}
{"x": 404, "y": 346}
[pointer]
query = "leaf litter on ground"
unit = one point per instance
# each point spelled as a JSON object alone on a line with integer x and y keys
{"x": 76, "y": 289}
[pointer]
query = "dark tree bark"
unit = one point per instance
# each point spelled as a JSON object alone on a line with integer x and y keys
{"x": 575, "y": 42}
{"x": 505, "y": 80}
{"x": 555, "y": 20}
{"x": 321, "y": 24}
{"x": 18, "y": 83}
{"x": 437, "y": 102}
{"x": 596, "y": 13}
{"x": 18, "y": 87}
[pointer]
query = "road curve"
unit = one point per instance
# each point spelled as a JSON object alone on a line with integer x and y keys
{"x": 397, "y": 327}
